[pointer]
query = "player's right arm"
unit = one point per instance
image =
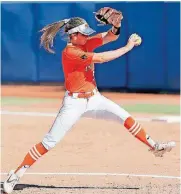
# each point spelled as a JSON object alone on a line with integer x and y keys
{"x": 111, "y": 55}
{"x": 82, "y": 58}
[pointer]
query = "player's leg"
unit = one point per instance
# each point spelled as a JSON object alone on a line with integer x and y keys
{"x": 101, "y": 107}
{"x": 68, "y": 115}
{"x": 137, "y": 130}
{"x": 107, "y": 109}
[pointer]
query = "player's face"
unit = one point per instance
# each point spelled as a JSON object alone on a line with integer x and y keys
{"x": 79, "y": 39}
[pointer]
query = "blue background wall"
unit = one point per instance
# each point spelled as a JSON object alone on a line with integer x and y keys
{"x": 153, "y": 65}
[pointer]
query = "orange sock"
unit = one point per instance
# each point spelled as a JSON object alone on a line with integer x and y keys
{"x": 135, "y": 129}
{"x": 33, "y": 155}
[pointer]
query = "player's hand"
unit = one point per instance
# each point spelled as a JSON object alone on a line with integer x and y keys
{"x": 135, "y": 39}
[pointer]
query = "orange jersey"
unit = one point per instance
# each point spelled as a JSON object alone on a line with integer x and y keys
{"x": 78, "y": 67}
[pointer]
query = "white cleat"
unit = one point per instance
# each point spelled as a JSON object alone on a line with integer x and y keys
{"x": 161, "y": 148}
{"x": 10, "y": 182}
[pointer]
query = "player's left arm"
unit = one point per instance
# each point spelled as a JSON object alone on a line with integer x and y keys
{"x": 110, "y": 36}
{"x": 100, "y": 39}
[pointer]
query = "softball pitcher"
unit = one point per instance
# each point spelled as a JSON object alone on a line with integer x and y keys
{"x": 82, "y": 97}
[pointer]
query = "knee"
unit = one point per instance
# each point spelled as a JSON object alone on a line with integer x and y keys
{"x": 49, "y": 141}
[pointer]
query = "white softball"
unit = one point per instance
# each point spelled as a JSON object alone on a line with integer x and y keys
{"x": 138, "y": 41}
{"x": 136, "y": 38}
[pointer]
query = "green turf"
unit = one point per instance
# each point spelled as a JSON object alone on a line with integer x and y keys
{"x": 153, "y": 108}
{"x": 23, "y": 100}
{"x": 139, "y": 108}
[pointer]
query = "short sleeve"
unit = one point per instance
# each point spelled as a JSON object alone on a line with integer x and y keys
{"x": 94, "y": 42}
{"x": 79, "y": 56}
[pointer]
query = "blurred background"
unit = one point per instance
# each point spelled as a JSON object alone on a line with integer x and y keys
{"x": 152, "y": 67}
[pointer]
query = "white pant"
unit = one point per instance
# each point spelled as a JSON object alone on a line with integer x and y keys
{"x": 73, "y": 109}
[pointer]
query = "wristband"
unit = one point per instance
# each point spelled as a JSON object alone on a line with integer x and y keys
{"x": 115, "y": 30}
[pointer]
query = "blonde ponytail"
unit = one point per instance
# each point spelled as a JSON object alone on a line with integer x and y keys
{"x": 49, "y": 33}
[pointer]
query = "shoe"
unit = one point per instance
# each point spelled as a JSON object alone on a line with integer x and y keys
{"x": 161, "y": 148}
{"x": 10, "y": 183}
